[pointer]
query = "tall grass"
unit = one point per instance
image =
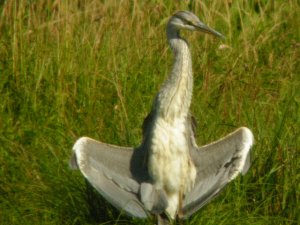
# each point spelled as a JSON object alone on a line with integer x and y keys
{"x": 74, "y": 68}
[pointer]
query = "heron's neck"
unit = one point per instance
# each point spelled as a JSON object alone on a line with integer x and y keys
{"x": 174, "y": 98}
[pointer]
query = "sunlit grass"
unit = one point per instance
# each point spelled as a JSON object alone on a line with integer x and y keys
{"x": 92, "y": 68}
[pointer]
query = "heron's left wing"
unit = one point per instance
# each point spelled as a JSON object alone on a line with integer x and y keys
{"x": 120, "y": 175}
{"x": 108, "y": 169}
{"x": 217, "y": 164}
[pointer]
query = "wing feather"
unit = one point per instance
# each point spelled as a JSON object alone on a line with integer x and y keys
{"x": 217, "y": 164}
{"x": 120, "y": 175}
{"x": 108, "y": 169}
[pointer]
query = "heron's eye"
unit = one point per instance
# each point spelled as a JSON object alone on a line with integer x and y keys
{"x": 188, "y": 22}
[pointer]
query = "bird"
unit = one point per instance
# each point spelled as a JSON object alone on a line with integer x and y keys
{"x": 168, "y": 174}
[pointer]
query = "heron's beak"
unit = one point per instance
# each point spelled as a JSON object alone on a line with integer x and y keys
{"x": 203, "y": 28}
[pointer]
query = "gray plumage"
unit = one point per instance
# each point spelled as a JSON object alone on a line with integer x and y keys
{"x": 168, "y": 173}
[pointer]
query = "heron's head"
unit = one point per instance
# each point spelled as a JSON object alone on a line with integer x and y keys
{"x": 189, "y": 21}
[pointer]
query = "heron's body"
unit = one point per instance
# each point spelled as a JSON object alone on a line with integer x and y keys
{"x": 168, "y": 172}
{"x": 170, "y": 164}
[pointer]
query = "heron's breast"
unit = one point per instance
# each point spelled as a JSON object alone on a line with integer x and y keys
{"x": 169, "y": 138}
{"x": 169, "y": 161}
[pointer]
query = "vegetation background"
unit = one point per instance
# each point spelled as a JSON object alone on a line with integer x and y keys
{"x": 91, "y": 68}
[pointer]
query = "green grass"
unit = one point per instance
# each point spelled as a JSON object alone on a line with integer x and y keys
{"x": 91, "y": 68}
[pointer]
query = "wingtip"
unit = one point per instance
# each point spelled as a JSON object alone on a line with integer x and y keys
{"x": 248, "y": 136}
{"x": 242, "y": 155}
{"x": 78, "y": 157}
{"x": 248, "y": 141}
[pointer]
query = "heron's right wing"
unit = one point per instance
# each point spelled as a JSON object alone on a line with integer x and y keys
{"x": 108, "y": 169}
{"x": 217, "y": 164}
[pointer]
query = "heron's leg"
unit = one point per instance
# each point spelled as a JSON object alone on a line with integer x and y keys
{"x": 180, "y": 212}
{"x": 162, "y": 219}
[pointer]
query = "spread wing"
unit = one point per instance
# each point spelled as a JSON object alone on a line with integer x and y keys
{"x": 217, "y": 164}
{"x": 119, "y": 174}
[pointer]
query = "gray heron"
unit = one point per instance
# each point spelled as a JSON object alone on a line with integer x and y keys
{"x": 167, "y": 174}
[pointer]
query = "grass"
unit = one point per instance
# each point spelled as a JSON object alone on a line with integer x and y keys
{"x": 92, "y": 68}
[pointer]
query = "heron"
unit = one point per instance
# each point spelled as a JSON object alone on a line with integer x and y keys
{"x": 167, "y": 175}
